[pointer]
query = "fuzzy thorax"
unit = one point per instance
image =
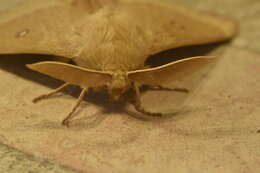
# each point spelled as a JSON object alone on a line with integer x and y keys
{"x": 111, "y": 42}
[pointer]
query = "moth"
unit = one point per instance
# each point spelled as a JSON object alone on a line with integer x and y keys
{"x": 109, "y": 41}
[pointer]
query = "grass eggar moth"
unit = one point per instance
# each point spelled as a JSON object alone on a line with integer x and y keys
{"x": 109, "y": 41}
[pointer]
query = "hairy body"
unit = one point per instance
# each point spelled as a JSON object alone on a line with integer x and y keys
{"x": 109, "y": 40}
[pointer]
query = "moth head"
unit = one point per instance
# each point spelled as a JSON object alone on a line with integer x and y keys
{"x": 119, "y": 84}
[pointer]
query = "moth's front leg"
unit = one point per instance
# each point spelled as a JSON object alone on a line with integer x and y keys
{"x": 160, "y": 87}
{"x": 66, "y": 120}
{"x": 138, "y": 105}
{"x": 44, "y": 96}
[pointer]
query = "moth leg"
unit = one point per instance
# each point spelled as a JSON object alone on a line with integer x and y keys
{"x": 66, "y": 120}
{"x": 44, "y": 96}
{"x": 160, "y": 87}
{"x": 138, "y": 105}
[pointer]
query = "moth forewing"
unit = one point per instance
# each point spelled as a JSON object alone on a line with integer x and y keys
{"x": 178, "y": 26}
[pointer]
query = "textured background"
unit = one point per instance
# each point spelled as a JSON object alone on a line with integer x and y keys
{"x": 217, "y": 131}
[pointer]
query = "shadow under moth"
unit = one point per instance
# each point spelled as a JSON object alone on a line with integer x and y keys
{"x": 109, "y": 41}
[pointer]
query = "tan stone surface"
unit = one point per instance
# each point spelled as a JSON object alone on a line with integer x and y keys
{"x": 217, "y": 130}
{"x": 13, "y": 161}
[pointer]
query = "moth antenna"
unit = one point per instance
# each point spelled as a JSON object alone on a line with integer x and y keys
{"x": 169, "y": 72}
{"x": 66, "y": 121}
{"x": 44, "y": 96}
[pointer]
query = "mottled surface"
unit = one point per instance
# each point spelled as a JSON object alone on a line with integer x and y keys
{"x": 13, "y": 161}
{"x": 217, "y": 131}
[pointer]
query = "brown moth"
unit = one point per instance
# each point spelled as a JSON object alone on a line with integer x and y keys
{"x": 109, "y": 41}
